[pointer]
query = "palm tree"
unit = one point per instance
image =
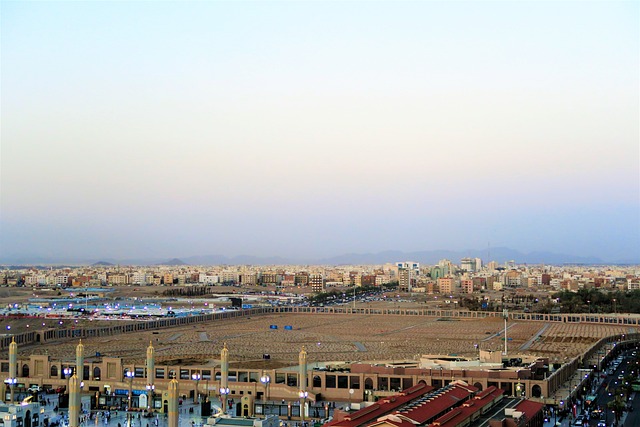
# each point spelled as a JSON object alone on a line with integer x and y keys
{"x": 617, "y": 405}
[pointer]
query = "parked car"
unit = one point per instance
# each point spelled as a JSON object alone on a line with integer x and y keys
{"x": 34, "y": 389}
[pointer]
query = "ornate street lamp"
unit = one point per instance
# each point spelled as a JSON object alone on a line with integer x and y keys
{"x": 67, "y": 374}
{"x": 150, "y": 391}
{"x": 224, "y": 392}
{"x": 196, "y": 378}
{"x": 303, "y": 396}
{"x": 265, "y": 380}
{"x": 11, "y": 382}
{"x": 129, "y": 376}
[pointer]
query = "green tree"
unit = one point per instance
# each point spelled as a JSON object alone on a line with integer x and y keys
{"x": 617, "y": 405}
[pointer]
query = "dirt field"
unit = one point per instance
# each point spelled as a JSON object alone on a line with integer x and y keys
{"x": 329, "y": 338}
{"x": 326, "y": 337}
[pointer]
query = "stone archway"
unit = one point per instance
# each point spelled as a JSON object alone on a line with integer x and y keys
{"x": 478, "y": 386}
{"x": 96, "y": 373}
{"x": 25, "y": 370}
{"x": 536, "y": 391}
{"x": 317, "y": 381}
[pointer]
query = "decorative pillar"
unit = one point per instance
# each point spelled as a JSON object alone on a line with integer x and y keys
{"x": 151, "y": 371}
{"x": 172, "y": 404}
{"x": 224, "y": 366}
{"x": 302, "y": 362}
{"x": 13, "y": 365}
{"x": 302, "y": 394}
{"x": 74, "y": 401}
{"x": 80, "y": 361}
{"x": 224, "y": 378}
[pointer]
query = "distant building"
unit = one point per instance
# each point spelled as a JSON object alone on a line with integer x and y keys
{"x": 316, "y": 281}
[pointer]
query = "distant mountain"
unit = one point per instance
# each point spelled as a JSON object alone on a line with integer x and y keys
{"x": 498, "y": 254}
{"x": 173, "y": 262}
{"x": 239, "y": 260}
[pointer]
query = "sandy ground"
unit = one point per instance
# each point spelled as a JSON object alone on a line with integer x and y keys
{"x": 326, "y": 337}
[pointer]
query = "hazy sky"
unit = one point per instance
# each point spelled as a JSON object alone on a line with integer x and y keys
{"x": 310, "y": 129}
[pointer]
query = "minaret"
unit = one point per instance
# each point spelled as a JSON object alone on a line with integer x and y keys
{"x": 172, "y": 404}
{"x": 80, "y": 361}
{"x": 224, "y": 377}
{"x": 505, "y": 315}
{"x": 151, "y": 368}
{"x": 302, "y": 361}
{"x": 224, "y": 366}
{"x": 13, "y": 363}
{"x": 74, "y": 401}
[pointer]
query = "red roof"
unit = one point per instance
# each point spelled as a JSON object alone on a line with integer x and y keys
{"x": 381, "y": 407}
{"x": 457, "y": 416}
{"x": 529, "y": 408}
{"x": 430, "y": 409}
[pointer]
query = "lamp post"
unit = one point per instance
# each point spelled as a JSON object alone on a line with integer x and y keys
{"x": 11, "y": 382}
{"x": 67, "y": 374}
{"x": 196, "y": 378}
{"x": 224, "y": 392}
{"x": 303, "y": 397}
{"x": 129, "y": 376}
{"x": 265, "y": 380}
{"x": 150, "y": 390}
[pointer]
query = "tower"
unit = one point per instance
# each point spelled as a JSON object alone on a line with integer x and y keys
{"x": 74, "y": 401}
{"x": 80, "y": 361}
{"x": 302, "y": 362}
{"x": 172, "y": 404}
{"x": 13, "y": 364}
{"x": 151, "y": 367}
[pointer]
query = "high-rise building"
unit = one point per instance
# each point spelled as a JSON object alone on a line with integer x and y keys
{"x": 316, "y": 281}
{"x": 468, "y": 264}
{"x": 405, "y": 275}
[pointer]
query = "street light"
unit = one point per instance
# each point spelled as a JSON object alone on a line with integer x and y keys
{"x": 67, "y": 374}
{"x": 303, "y": 396}
{"x": 150, "y": 390}
{"x": 129, "y": 375}
{"x": 224, "y": 392}
{"x": 265, "y": 380}
{"x": 11, "y": 382}
{"x": 196, "y": 378}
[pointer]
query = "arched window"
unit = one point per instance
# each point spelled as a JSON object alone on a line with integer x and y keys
{"x": 25, "y": 370}
{"x": 317, "y": 381}
{"x": 536, "y": 391}
{"x": 54, "y": 371}
{"x": 96, "y": 373}
{"x": 368, "y": 384}
{"x": 478, "y": 386}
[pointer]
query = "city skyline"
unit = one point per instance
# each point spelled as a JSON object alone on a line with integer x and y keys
{"x": 314, "y": 129}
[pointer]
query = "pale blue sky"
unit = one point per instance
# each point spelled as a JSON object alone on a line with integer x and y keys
{"x": 319, "y": 128}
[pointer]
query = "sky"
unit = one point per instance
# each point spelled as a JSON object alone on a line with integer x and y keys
{"x": 318, "y": 128}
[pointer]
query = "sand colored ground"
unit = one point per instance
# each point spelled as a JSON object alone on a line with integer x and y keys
{"x": 561, "y": 340}
{"x": 335, "y": 337}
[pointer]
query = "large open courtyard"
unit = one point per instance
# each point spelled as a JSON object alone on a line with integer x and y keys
{"x": 338, "y": 337}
